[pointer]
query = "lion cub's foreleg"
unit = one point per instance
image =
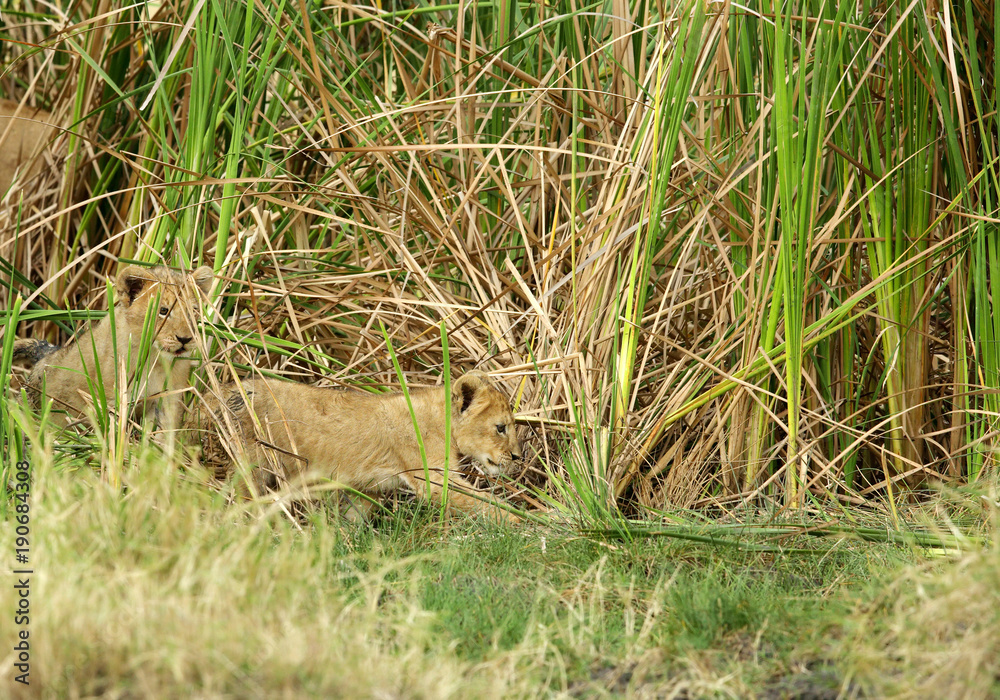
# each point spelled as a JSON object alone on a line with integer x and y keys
{"x": 458, "y": 488}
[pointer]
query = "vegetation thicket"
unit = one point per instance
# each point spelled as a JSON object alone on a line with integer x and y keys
{"x": 723, "y": 257}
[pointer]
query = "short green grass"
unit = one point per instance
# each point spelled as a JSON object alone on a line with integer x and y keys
{"x": 166, "y": 590}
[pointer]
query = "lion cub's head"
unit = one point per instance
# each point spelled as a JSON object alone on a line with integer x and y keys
{"x": 483, "y": 424}
{"x": 174, "y": 294}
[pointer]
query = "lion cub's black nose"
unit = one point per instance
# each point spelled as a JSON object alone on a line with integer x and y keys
{"x": 183, "y": 341}
{"x": 515, "y": 457}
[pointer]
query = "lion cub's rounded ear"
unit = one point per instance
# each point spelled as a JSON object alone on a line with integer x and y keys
{"x": 464, "y": 389}
{"x": 130, "y": 283}
{"x": 203, "y": 278}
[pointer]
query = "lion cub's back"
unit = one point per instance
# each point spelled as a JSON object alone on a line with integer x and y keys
{"x": 298, "y": 402}
{"x": 337, "y": 431}
{"x": 309, "y": 412}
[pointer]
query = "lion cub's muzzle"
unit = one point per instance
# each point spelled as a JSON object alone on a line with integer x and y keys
{"x": 178, "y": 345}
{"x": 504, "y": 466}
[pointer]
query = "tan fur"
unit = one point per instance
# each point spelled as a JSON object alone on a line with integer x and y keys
{"x": 23, "y": 133}
{"x": 63, "y": 373}
{"x": 366, "y": 441}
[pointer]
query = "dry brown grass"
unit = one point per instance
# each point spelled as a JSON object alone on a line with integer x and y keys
{"x": 162, "y": 594}
{"x": 932, "y": 632}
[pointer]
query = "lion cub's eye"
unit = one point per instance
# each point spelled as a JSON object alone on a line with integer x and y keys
{"x": 502, "y": 429}
{"x": 164, "y": 311}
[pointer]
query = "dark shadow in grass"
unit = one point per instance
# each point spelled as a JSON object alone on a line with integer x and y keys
{"x": 822, "y": 683}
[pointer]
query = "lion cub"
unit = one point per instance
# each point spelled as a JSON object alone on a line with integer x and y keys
{"x": 367, "y": 441}
{"x": 69, "y": 374}
{"x": 23, "y": 132}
